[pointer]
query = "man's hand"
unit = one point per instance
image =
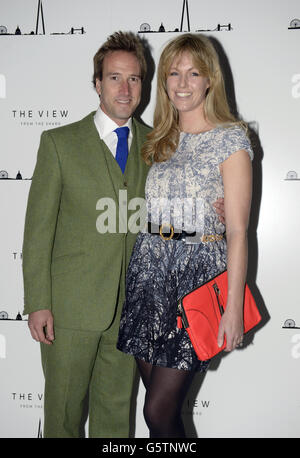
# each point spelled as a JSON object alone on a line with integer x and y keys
{"x": 41, "y": 326}
{"x": 219, "y": 206}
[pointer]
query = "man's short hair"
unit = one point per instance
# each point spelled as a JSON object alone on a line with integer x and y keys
{"x": 120, "y": 41}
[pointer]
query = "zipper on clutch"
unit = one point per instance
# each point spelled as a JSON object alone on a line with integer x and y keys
{"x": 217, "y": 292}
{"x": 182, "y": 315}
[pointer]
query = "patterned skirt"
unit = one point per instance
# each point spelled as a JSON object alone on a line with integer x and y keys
{"x": 159, "y": 273}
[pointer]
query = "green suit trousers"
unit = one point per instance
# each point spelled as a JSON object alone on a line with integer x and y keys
{"x": 83, "y": 362}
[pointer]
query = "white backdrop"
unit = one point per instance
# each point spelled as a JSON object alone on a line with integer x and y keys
{"x": 45, "y": 81}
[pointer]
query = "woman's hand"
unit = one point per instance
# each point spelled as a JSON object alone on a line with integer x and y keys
{"x": 232, "y": 327}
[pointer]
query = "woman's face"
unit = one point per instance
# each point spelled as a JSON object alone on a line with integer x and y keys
{"x": 186, "y": 88}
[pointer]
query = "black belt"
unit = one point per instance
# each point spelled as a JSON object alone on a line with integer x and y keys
{"x": 167, "y": 232}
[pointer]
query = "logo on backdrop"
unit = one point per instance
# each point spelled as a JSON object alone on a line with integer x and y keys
{"x": 40, "y": 26}
{"x": 146, "y": 28}
{"x": 294, "y": 24}
{"x": 5, "y": 317}
{"x": 4, "y": 176}
{"x": 17, "y": 255}
{"x": 295, "y": 339}
{"x": 2, "y": 87}
{"x": 292, "y": 175}
{"x": 290, "y": 324}
{"x": 194, "y": 407}
{"x": 27, "y": 400}
{"x": 41, "y": 117}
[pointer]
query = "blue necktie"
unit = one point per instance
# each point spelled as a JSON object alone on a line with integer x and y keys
{"x": 122, "y": 146}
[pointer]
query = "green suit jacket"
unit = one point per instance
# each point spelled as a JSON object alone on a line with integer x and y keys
{"x": 68, "y": 266}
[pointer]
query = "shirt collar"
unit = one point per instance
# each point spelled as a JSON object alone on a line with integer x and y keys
{"x": 105, "y": 125}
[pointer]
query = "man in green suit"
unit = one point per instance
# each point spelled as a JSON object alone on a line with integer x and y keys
{"x": 74, "y": 276}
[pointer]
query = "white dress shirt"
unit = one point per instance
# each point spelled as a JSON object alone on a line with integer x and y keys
{"x": 106, "y": 126}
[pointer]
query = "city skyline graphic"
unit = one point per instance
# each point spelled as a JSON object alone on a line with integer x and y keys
{"x": 40, "y": 28}
{"x": 145, "y": 27}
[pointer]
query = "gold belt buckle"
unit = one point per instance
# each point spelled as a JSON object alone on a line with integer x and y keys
{"x": 161, "y": 232}
{"x": 211, "y": 237}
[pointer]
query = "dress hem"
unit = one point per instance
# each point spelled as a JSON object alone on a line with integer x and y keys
{"x": 169, "y": 367}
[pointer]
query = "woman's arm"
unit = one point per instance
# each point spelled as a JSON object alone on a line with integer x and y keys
{"x": 237, "y": 179}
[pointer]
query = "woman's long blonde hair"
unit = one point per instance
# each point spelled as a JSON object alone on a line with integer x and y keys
{"x": 163, "y": 139}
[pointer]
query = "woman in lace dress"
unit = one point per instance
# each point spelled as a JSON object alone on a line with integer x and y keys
{"x": 199, "y": 152}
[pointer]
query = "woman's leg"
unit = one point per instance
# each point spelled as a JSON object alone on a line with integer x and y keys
{"x": 145, "y": 370}
{"x": 165, "y": 392}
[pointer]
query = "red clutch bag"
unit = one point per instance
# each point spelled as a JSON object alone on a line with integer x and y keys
{"x": 200, "y": 312}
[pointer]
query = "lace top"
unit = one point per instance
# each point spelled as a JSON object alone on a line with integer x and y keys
{"x": 182, "y": 189}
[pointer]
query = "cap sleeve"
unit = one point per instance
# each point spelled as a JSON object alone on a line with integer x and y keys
{"x": 233, "y": 139}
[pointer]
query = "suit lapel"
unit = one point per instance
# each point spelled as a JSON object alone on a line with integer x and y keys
{"x": 97, "y": 157}
{"x": 136, "y": 169}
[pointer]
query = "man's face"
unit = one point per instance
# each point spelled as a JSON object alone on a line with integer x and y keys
{"x": 120, "y": 87}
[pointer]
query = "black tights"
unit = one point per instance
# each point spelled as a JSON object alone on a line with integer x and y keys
{"x": 165, "y": 392}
